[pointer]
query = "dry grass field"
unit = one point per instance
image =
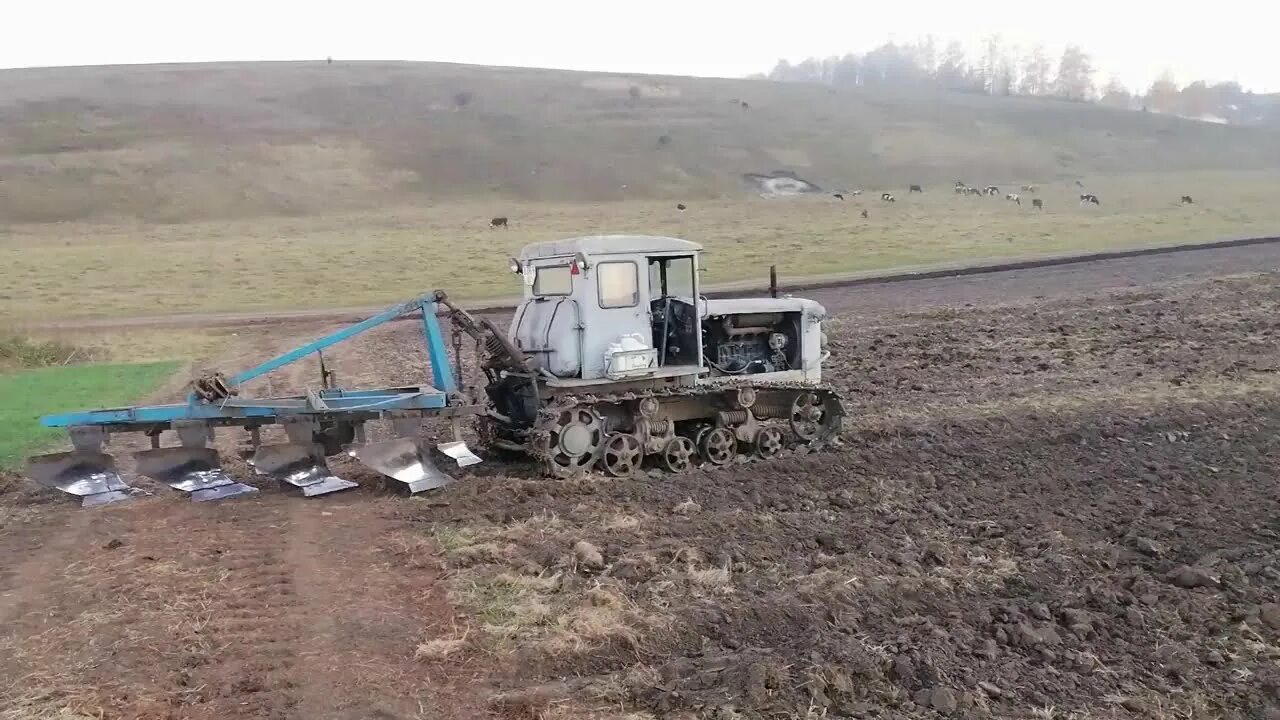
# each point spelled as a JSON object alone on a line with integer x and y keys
{"x": 370, "y": 258}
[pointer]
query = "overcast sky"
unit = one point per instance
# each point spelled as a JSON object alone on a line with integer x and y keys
{"x": 1220, "y": 40}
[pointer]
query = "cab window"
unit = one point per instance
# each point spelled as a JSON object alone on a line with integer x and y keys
{"x": 671, "y": 277}
{"x": 552, "y": 280}
{"x": 619, "y": 284}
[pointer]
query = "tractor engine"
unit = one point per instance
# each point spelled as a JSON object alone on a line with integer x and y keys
{"x": 751, "y": 336}
{"x": 751, "y": 343}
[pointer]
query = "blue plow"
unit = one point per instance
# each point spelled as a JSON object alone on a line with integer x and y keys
{"x": 317, "y": 424}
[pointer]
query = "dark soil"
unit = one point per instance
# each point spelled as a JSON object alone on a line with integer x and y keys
{"x": 1054, "y": 507}
{"x": 1063, "y": 507}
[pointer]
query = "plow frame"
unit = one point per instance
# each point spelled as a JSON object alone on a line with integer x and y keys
{"x": 195, "y": 419}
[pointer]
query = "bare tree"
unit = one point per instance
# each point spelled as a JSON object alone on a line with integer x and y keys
{"x": 1163, "y": 94}
{"x": 991, "y": 63}
{"x": 1075, "y": 75}
{"x": 927, "y": 55}
{"x": 1035, "y": 73}
{"x": 1007, "y": 71}
{"x": 1197, "y": 100}
{"x": 1116, "y": 95}
{"x": 953, "y": 70}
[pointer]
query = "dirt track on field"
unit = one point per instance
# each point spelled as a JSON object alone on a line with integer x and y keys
{"x": 1057, "y": 502}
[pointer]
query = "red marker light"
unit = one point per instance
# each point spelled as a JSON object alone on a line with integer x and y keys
{"x": 573, "y": 268}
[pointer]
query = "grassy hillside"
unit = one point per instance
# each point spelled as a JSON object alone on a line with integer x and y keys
{"x": 178, "y": 144}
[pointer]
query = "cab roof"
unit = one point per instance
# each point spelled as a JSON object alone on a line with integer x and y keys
{"x": 609, "y": 245}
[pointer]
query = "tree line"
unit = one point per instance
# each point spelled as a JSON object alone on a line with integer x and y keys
{"x": 1002, "y": 69}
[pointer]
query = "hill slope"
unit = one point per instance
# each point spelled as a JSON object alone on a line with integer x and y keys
{"x": 188, "y": 142}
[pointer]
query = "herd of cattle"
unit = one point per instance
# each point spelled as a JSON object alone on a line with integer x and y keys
{"x": 960, "y": 189}
{"x": 993, "y": 191}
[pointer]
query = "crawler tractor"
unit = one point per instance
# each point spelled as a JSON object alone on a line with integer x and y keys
{"x": 626, "y": 360}
{"x": 613, "y": 357}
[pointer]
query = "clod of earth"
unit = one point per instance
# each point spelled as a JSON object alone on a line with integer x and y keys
{"x": 1270, "y": 614}
{"x": 1193, "y": 577}
{"x": 588, "y": 555}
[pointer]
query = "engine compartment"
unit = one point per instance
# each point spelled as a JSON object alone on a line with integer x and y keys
{"x": 751, "y": 343}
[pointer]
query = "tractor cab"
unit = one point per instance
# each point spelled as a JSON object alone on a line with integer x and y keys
{"x": 608, "y": 308}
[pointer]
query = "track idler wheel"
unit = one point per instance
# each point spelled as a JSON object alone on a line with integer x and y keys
{"x": 813, "y": 419}
{"x": 768, "y": 442}
{"x": 622, "y": 454}
{"x": 718, "y": 446}
{"x": 573, "y": 442}
{"x": 677, "y": 455}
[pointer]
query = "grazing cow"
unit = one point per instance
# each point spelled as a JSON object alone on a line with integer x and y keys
{"x": 1079, "y": 184}
{"x": 855, "y": 193}
{"x": 1029, "y": 188}
{"x": 887, "y": 197}
{"x": 498, "y": 222}
{"x": 991, "y": 190}
{"x": 745, "y": 105}
{"x": 681, "y": 207}
{"x": 915, "y": 188}
{"x": 865, "y": 215}
{"x": 977, "y": 192}
{"x": 961, "y": 190}
{"x": 1014, "y": 197}
{"x": 1086, "y": 198}
{"x": 1186, "y": 200}
{"x": 838, "y": 196}
{"x": 1037, "y": 203}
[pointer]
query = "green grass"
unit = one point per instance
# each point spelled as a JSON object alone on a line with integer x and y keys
{"x": 369, "y": 259}
{"x": 26, "y": 395}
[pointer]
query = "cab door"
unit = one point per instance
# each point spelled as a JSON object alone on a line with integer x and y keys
{"x": 620, "y": 307}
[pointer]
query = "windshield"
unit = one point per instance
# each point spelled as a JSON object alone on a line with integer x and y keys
{"x": 552, "y": 280}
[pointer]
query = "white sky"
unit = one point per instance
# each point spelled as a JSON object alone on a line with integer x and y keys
{"x": 1220, "y": 40}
